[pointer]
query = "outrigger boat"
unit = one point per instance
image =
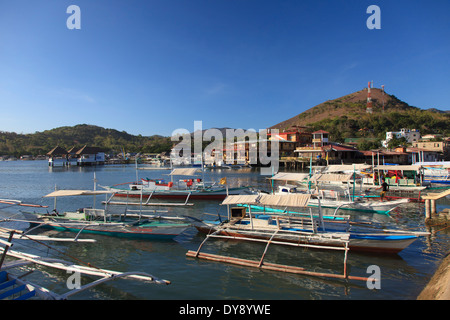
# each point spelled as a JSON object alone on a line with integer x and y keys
{"x": 437, "y": 173}
{"x": 100, "y": 221}
{"x": 302, "y": 227}
{"x": 333, "y": 197}
{"x": 293, "y": 230}
{"x": 14, "y": 286}
{"x": 186, "y": 188}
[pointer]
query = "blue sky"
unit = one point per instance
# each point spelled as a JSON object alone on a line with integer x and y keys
{"x": 152, "y": 66}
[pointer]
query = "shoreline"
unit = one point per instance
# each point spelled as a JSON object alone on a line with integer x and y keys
{"x": 438, "y": 288}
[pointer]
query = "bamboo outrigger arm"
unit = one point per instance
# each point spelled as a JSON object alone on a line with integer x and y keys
{"x": 107, "y": 275}
{"x": 4, "y": 233}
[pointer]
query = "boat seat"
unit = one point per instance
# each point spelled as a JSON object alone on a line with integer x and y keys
{"x": 96, "y": 213}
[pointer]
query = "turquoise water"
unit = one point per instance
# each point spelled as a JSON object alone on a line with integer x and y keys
{"x": 403, "y": 276}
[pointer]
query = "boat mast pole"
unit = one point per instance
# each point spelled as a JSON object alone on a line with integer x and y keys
{"x": 203, "y": 170}
{"x": 95, "y": 188}
{"x": 137, "y": 178}
{"x": 354, "y": 182}
{"x": 310, "y": 168}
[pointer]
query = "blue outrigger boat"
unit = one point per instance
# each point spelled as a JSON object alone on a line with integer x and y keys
{"x": 311, "y": 230}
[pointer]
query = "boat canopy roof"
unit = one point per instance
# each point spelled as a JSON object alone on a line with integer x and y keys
{"x": 412, "y": 167}
{"x": 288, "y": 200}
{"x": 241, "y": 199}
{"x": 290, "y": 176}
{"x": 346, "y": 167}
{"x": 66, "y": 193}
{"x": 184, "y": 172}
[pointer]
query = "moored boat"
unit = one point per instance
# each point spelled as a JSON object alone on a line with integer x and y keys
{"x": 192, "y": 188}
{"x": 100, "y": 221}
{"x": 333, "y": 191}
{"x": 313, "y": 230}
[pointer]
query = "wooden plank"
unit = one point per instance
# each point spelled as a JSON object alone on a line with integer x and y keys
{"x": 435, "y": 196}
{"x": 147, "y": 204}
{"x": 268, "y": 266}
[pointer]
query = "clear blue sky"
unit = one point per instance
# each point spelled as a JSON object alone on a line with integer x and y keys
{"x": 153, "y": 66}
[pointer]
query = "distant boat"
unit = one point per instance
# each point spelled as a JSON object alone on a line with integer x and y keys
{"x": 192, "y": 188}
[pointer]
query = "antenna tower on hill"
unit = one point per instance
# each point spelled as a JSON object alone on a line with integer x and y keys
{"x": 369, "y": 100}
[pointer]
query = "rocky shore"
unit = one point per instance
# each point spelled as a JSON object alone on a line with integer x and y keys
{"x": 439, "y": 286}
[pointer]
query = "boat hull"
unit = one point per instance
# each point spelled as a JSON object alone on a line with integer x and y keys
{"x": 386, "y": 244}
{"x": 175, "y": 194}
{"x": 370, "y": 206}
{"x": 151, "y": 231}
{"x": 361, "y": 243}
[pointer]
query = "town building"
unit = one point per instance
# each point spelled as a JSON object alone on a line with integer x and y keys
{"x": 320, "y": 138}
{"x": 290, "y": 139}
{"x": 75, "y": 156}
{"x": 411, "y": 136}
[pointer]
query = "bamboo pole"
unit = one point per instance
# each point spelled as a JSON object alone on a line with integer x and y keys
{"x": 267, "y": 247}
{"x": 7, "y": 246}
{"x": 269, "y": 266}
{"x": 427, "y": 208}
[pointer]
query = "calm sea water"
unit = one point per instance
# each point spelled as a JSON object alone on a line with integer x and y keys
{"x": 403, "y": 276}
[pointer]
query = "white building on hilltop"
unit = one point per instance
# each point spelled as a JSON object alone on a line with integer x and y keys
{"x": 411, "y": 135}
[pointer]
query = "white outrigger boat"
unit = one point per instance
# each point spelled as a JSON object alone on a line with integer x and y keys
{"x": 186, "y": 188}
{"x": 337, "y": 195}
{"x": 333, "y": 199}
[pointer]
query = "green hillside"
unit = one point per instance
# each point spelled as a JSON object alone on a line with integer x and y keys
{"x": 346, "y": 117}
{"x": 67, "y": 137}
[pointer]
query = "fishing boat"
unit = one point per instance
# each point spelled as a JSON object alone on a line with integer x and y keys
{"x": 302, "y": 228}
{"x": 334, "y": 200}
{"x": 437, "y": 173}
{"x": 13, "y": 274}
{"x": 186, "y": 188}
{"x": 100, "y": 221}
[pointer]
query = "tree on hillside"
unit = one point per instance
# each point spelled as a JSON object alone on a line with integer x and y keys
{"x": 365, "y": 144}
{"x": 395, "y": 142}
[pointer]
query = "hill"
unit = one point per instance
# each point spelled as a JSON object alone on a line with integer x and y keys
{"x": 346, "y": 117}
{"x": 66, "y": 137}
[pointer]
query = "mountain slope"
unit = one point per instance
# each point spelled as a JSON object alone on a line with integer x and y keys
{"x": 80, "y": 135}
{"x": 352, "y": 105}
{"x": 346, "y": 117}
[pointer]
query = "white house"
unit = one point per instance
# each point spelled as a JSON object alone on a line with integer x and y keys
{"x": 411, "y": 136}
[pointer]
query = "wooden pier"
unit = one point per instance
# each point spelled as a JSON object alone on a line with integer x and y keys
{"x": 293, "y": 163}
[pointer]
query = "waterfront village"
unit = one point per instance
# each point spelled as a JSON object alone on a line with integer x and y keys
{"x": 269, "y": 217}
{"x": 297, "y": 148}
